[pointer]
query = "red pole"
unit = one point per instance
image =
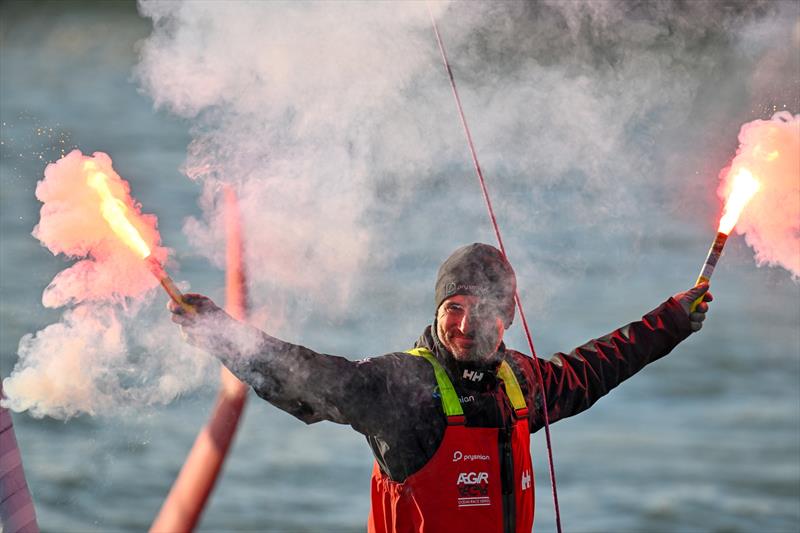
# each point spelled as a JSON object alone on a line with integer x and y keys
{"x": 186, "y": 500}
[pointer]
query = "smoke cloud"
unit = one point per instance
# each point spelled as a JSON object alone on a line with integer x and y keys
{"x": 104, "y": 354}
{"x": 335, "y": 122}
{"x": 102, "y": 360}
{"x": 71, "y": 223}
{"x": 335, "y": 125}
{"x": 287, "y": 102}
{"x": 770, "y": 149}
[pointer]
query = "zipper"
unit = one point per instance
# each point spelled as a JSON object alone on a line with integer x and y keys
{"x": 507, "y": 479}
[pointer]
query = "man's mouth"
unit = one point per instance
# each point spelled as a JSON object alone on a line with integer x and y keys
{"x": 465, "y": 343}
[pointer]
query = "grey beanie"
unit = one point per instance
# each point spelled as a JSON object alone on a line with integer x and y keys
{"x": 479, "y": 270}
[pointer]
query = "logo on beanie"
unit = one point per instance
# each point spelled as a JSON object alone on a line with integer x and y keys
{"x": 453, "y": 287}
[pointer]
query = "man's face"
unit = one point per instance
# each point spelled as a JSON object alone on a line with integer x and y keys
{"x": 469, "y": 328}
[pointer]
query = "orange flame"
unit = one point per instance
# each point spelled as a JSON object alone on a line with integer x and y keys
{"x": 114, "y": 211}
{"x": 743, "y": 187}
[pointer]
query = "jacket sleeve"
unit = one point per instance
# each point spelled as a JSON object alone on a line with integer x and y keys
{"x": 574, "y": 382}
{"x": 312, "y": 386}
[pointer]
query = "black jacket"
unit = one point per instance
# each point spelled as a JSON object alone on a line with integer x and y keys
{"x": 392, "y": 399}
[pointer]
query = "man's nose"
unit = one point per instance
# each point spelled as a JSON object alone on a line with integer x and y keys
{"x": 466, "y": 323}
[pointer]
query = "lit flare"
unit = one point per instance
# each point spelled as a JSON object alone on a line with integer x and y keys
{"x": 743, "y": 187}
{"x": 115, "y": 213}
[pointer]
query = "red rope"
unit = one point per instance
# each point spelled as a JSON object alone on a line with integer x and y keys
{"x": 517, "y": 299}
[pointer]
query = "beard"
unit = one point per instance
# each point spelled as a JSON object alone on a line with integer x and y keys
{"x": 478, "y": 348}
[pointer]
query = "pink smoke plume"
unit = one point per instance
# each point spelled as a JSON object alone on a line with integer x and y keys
{"x": 71, "y": 223}
{"x": 770, "y": 149}
{"x": 85, "y": 362}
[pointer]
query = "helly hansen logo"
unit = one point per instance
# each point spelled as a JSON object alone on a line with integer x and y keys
{"x": 472, "y": 375}
{"x": 526, "y": 480}
{"x": 473, "y": 489}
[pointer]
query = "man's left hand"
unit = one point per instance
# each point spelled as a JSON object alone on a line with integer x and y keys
{"x": 686, "y": 299}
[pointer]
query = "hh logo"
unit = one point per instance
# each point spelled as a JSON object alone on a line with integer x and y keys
{"x": 526, "y": 480}
{"x": 473, "y": 375}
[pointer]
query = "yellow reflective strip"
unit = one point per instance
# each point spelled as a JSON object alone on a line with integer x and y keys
{"x": 512, "y": 386}
{"x": 450, "y": 403}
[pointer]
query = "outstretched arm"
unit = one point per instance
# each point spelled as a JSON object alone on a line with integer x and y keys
{"x": 302, "y": 382}
{"x": 575, "y": 381}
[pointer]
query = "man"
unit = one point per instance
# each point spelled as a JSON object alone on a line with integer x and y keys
{"x": 449, "y": 422}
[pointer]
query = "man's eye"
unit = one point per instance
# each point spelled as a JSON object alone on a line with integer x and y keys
{"x": 452, "y": 308}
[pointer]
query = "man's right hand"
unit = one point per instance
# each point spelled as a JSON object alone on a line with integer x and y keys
{"x": 197, "y": 327}
{"x": 213, "y": 330}
{"x": 201, "y": 305}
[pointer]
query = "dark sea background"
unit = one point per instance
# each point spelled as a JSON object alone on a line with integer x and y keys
{"x": 707, "y": 439}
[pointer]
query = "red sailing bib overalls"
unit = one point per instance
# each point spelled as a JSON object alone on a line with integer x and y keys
{"x": 479, "y": 480}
